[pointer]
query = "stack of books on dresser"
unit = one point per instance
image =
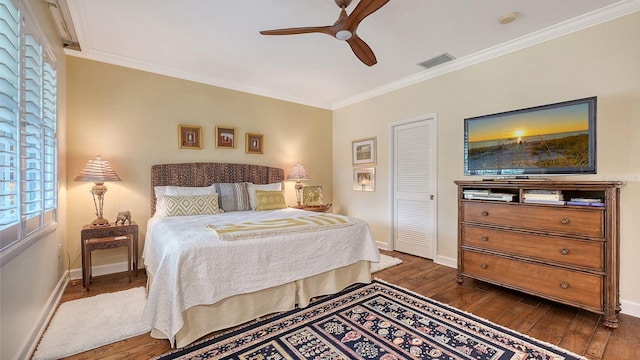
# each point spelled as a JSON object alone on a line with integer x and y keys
{"x": 550, "y": 197}
{"x": 586, "y": 202}
{"x": 486, "y": 194}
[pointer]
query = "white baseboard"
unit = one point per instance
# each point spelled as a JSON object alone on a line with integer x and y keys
{"x": 102, "y": 270}
{"x": 30, "y": 344}
{"x": 630, "y": 308}
{"x": 446, "y": 261}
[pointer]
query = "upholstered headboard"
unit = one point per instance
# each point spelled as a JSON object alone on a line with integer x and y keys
{"x": 205, "y": 174}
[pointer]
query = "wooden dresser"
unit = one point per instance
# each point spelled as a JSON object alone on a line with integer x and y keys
{"x": 565, "y": 253}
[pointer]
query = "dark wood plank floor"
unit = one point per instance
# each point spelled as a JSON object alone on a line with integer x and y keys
{"x": 565, "y": 326}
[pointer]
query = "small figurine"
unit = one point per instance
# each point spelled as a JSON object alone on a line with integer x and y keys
{"x": 123, "y": 216}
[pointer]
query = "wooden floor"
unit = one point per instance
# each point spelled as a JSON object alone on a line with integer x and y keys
{"x": 567, "y": 327}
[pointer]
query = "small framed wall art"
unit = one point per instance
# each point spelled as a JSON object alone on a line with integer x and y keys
{"x": 364, "y": 179}
{"x": 255, "y": 143}
{"x": 225, "y": 137}
{"x": 364, "y": 151}
{"x": 189, "y": 137}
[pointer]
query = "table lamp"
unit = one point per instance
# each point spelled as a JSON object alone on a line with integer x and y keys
{"x": 98, "y": 171}
{"x": 298, "y": 173}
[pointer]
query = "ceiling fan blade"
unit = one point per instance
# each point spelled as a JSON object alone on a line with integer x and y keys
{"x": 362, "y": 10}
{"x": 362, "y": 50}
{"x": 329, "y": 30}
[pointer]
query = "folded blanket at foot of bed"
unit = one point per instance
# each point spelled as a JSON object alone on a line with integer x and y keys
{"x": 251, "y": 229}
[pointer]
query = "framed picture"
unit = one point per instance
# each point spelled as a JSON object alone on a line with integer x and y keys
{"x": 255, "y": 143}
{"x": 189, "y": 137}
{"x": 225, "y": 137}
{"x": 312, "y": 195}
{"x": 364, "y": 151}
{"x": 364, "y": 179}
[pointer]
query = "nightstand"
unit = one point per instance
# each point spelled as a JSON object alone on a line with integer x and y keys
{"x": 108, "y": 237}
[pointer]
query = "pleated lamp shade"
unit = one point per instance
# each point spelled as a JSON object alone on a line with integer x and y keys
{"x": 97, "y": 170}
{"x": 298, "y": 173}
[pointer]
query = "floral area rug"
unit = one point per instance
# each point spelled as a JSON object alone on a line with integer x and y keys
{"x": 373, "y": 321}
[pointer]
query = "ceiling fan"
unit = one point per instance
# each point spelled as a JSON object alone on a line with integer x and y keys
{"x": 344, "y": 28}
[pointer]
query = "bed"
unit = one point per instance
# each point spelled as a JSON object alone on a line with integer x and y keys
{"x": 211, "y": 271}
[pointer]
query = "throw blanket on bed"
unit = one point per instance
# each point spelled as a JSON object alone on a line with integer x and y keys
{"x": 279, "y": 226}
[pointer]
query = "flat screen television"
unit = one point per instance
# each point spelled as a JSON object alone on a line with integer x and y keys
{"x": 553, "y": 139}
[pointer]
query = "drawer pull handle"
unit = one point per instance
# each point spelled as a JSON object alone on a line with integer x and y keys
{"x": 564, "y": 251}
{"x": 564, "y": 285}
{"x": 484, "y": 266}
{"x": 484, "y": 238}
{"x": 485, "y": 213}
{"x": 564, "y": 221}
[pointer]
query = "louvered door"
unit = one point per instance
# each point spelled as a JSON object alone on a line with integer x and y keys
{"x": 414, "y": 187}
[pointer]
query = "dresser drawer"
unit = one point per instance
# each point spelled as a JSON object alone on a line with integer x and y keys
{"x": 571, "y": 286}
{"x": 561, "y": 250}
{"x": 586, "y": 222}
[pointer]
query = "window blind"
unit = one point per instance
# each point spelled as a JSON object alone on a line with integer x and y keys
{"x": 9, "y": 115}
{"x": 28, "y": 121}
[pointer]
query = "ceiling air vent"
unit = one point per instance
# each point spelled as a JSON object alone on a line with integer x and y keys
{"x": 435, "y": 61}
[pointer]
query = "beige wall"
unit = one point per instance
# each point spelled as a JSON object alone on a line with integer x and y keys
{"x": 131, "y": 118}
{"x": 28, "y": 280}
{"x": 601, "y": 61}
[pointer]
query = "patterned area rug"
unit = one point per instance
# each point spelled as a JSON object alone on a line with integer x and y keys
{"x": 373, "y": 321}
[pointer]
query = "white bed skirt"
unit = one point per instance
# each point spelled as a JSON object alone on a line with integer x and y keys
{"x": 204, "y": 319}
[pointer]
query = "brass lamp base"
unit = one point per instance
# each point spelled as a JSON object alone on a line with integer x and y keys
{"x": 100, "y": 222}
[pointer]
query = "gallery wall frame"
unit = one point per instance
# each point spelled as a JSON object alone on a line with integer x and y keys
{"x": 364, "y": 179}
{"x": 364, "y": 151}
{"x": 225, "y": 137}
{"x": 189, "y": 137}
{"x": 254, "y": 143}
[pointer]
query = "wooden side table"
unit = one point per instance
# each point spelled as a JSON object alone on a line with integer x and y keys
{"x": 108, "y": 237}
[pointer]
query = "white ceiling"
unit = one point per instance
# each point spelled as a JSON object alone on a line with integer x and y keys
{"x": 218, "y": 42}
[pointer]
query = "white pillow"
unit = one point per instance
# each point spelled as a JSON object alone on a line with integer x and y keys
{"x": 161, "y": 191}
{"x": 251, "y": 188}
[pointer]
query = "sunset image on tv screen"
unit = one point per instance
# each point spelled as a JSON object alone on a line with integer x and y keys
{"x": 556, "y": 137}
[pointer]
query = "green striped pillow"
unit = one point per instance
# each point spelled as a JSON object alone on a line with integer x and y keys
{"x": 192, "y": 205}
{"x": 233, "y": 196}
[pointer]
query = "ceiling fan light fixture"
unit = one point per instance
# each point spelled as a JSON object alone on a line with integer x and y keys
{"x": 343, "y": 35}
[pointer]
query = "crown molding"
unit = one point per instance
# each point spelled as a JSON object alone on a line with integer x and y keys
{"x": 595, "y": 17}
{"x": 587, "y": 20}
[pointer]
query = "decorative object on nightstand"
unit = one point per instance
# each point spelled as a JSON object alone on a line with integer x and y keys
{"x": 298, "y": 173}
{"x": 312, "y": 195}
{"x": 312, "y": 199}
{"x": 123, "y": 216}
{"x": 98, "y": 171}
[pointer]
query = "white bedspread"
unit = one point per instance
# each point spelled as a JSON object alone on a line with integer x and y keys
{"x": 191, "y": 266}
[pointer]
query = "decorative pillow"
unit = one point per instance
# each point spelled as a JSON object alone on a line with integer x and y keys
{"x": 251, "y": 188}
{"x": 270, "y": 200}
{"x": 192, "y": 205}
{"x": 233, "y": 196}
{"x": 161, "y": 191}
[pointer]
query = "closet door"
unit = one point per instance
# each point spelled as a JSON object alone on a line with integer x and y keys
{"x": 414, "y": 187}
